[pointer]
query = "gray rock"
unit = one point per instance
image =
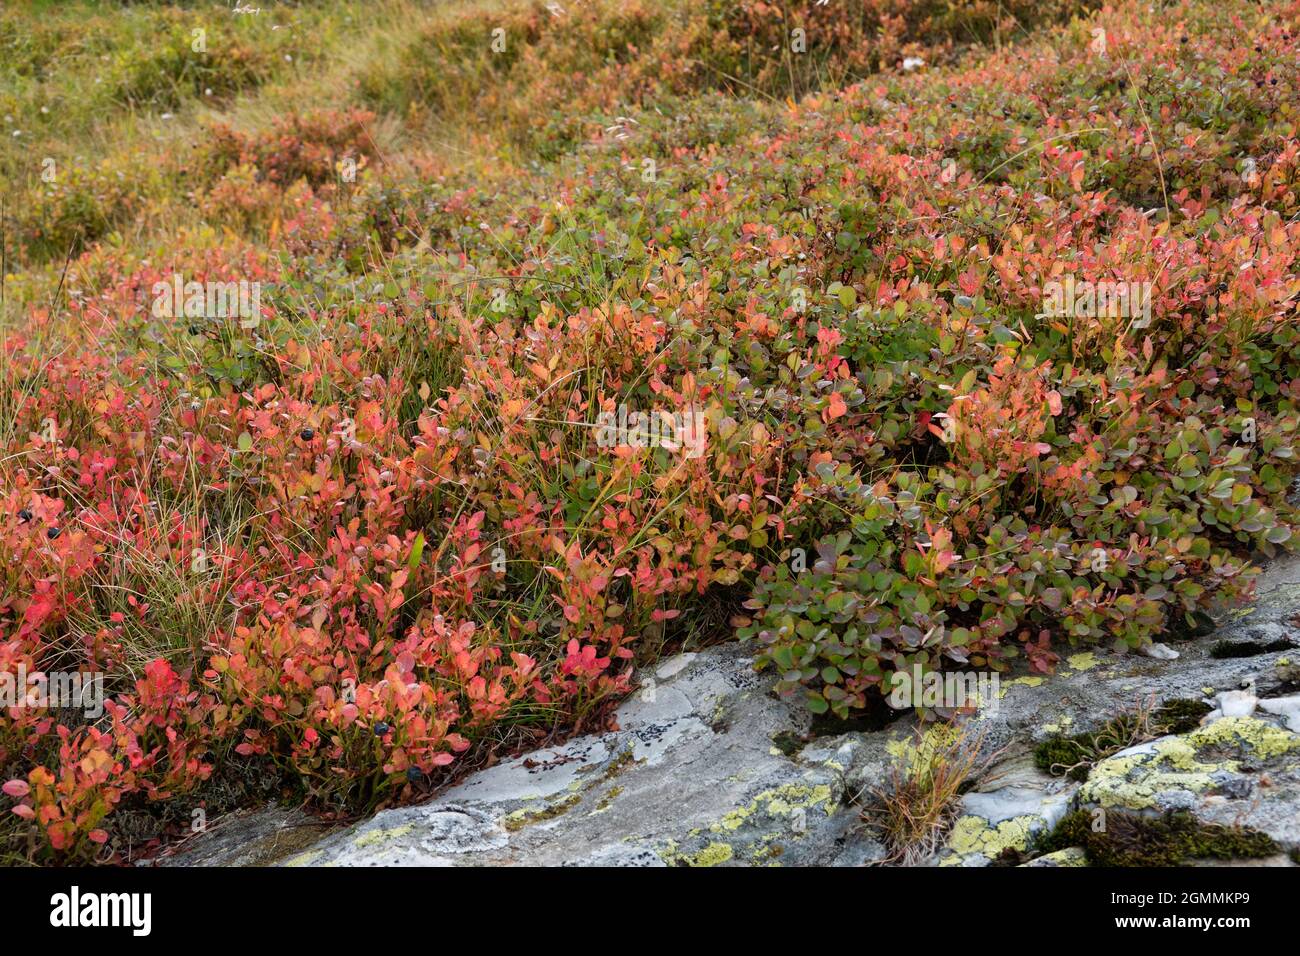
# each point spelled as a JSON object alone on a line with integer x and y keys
{"x": 691, "y": 778}
{"x": 1234, "y": 771}
{"x": 246, "y": 839}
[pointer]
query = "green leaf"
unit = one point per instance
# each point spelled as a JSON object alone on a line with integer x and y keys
{"x": 417, "y": 552}
{"x": 1278, "y": 534}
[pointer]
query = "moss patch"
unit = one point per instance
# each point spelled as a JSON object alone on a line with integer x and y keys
{"x": 1229, "y": 649}
{"x": 1131, "y": 839}
{"x": 787, "y": 743}
{"x": 1075, "y": 755}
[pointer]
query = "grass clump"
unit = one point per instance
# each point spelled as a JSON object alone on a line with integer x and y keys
{"x": 915, "y": 807}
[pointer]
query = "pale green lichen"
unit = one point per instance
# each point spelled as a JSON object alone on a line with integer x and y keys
{"x": 304, "y": 859}
{"x": 1135, "y": 780}
{"x": 910, "y": 752}
{"x": 620, "y": 763}
{"x": 1060, "y": 726}
{"x": 974, "y": 835}
{"x": 528, "y": 815}
{"x": 1070, "y": 856}
{"x": 1026, "y": 681}
{"x": 1083, "y": 662}
{"x": 379, "y": 835}
{"x": 778, "y": 802}
{"x": 711, "y": 855}
{"x": 766, "y": 850}
{"x": 1263, "y": 738}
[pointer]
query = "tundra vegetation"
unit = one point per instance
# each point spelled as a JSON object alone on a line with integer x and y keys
{"x": 365, "y": 538}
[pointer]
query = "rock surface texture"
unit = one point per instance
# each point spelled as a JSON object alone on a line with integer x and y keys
{"x": 708, "y": 767}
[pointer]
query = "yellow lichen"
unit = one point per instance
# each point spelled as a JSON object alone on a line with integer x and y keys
{"x": 1263, "y": 738}
{"x": 1135, "y": 780}
{"x": 1026, "y": 681}
{"x": 525, "y": 815}
{"x": 781, "y": 801}
{"x": 1083, "y": 662}
{"x": 379, "y": 835}
{"x": 937, "y": 739}
{"x": 711, "y": 855}
{"x": 972, "y": 834}
{"x": 1070, "y": 856}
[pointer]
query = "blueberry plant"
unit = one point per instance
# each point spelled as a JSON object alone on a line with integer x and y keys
{"x": 370, "y": 536}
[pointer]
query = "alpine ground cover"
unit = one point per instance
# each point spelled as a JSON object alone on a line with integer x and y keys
{"x": 406, "y": 514}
